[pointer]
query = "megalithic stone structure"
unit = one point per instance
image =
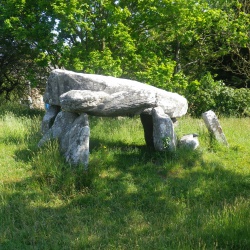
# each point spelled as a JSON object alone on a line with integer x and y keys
{"x": 72, "y": 96}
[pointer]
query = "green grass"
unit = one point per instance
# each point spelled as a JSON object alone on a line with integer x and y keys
{"x": 131, "y": 197}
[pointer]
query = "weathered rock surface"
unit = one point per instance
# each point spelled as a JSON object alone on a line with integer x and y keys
{"x": 62, "y": 124}
{"x": 189, "y": 141}
{"x": 62, "y": 81}
{"x": 163, "y": 131}
{"x": 72, "y": 132}
{"x": 214, "y": 127}
{"x": 76, "y": 142}
{"x": 100, "y": 103}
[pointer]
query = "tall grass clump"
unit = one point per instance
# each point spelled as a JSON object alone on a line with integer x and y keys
{"x": 15, "y": 129}
{"x": 131, "y": 197}
{"x": 55, "y": 175}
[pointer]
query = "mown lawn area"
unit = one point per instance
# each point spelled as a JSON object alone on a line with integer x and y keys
{"x": 131, "y": 197}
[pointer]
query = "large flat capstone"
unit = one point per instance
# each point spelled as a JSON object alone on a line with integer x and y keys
{"x": 127, "y": 91}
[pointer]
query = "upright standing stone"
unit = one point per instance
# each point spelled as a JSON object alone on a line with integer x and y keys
{"x": 62, "y": 124}
{"x": 163, "y": 131}
{"x": 77, "y": 151}
{"x": 72, "y": 132}
{"x": 214, "y": 127}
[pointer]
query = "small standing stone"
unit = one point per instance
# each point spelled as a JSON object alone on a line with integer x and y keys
{"x": 163, "y": 131}
{"x": 214, "y": 127}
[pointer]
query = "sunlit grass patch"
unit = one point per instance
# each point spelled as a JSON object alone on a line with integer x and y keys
{"x": 14, "y": 129}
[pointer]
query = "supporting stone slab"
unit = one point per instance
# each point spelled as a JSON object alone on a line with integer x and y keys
{"x": 77, "y": 151}
{"x": 163, "y": 131}
{"x": 72, "y": 131}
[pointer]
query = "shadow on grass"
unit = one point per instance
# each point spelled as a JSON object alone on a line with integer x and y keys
{"x": 135, "y": 199}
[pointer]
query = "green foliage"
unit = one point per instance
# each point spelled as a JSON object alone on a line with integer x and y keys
{"x": 103, "y": 63}
{"x": 242, "y": 101}
{"x": 156, "y": 72}
{"x": 26, "y": 41}
{"x": 209, "y": 94}
{"x": 166, "y": 143}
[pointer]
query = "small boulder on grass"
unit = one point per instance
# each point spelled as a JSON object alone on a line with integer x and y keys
{"x": 189, "y": 141}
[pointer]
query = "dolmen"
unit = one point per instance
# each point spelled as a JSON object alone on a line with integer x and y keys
{"x": 73, "y": 96}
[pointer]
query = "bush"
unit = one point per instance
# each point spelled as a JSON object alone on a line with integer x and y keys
{"x": 242, "y": 101}
{"x": 208, "y": 94}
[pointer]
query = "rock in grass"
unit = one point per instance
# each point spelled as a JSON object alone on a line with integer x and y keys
{"x": 61, "y": 125}
{"x": 49, "y": 118}
{"x": 77, "y": 142}
{"x": 189, "y": 141}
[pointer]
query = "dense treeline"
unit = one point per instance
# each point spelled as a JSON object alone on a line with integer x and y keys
{"x": 199, "y": 48}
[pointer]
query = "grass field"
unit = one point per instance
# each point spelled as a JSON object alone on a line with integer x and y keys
{"x": 131, "y": 197}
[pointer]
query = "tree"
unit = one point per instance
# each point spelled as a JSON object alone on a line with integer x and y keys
{"x": 162, "y": 42}
{"x": 94, "y": 35}
{"x": 234, "y": 65}
{"x": 16, "y": 64}
{"x": 26, "y": 44}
